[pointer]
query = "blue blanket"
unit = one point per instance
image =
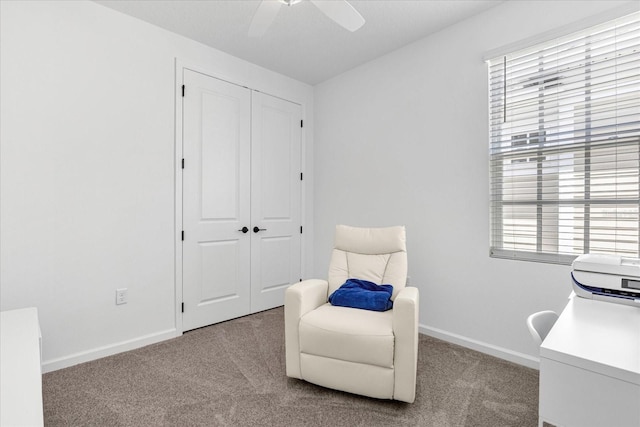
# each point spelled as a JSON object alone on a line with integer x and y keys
{"x": 358, "y": 293}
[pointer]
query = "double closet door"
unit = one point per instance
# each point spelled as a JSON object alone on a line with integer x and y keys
{"x": 241, "y": 200}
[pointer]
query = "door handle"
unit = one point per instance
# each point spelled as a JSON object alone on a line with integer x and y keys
{"x": 244, "y": 229}
{"x": 256, "y": 229}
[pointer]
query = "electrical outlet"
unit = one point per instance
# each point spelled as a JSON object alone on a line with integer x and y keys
{"x": 121, "y": 296}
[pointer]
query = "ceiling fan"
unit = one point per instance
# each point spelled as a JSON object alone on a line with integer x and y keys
{"x": 339, "y": 10}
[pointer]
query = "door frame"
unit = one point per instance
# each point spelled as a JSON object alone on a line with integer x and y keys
{"x": 180, "y": 65}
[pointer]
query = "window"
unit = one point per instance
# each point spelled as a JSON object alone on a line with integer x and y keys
{"x": 565, "y": 146}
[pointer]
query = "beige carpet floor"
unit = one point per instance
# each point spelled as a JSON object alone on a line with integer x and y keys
{"x": 233, "y": 374}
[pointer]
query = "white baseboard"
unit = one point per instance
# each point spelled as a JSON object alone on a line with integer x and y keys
{"x": 108, "y": 350}
{"x": 500, "y": 352}
{"x": 97, "y": 353}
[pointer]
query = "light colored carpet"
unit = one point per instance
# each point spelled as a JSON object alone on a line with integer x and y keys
{"x": 233, "y": 374}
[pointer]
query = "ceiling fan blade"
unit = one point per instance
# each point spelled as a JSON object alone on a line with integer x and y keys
{"x": 264, "y": 17}
{"x": 342, "y": 12}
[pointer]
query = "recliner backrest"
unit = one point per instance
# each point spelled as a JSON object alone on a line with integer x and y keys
{"x": 378, "y": 255}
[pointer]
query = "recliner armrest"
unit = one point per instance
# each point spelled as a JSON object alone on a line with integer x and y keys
{"x": 299, "y": 299}
{"x": 406, "y": 307}
{"x": 307, "y": 295}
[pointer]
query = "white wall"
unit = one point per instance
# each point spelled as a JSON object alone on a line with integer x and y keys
{"x": 87, "y": 171}
{"x": 404, "y": 140}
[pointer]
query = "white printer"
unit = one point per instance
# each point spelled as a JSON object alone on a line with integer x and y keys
{"x": 607, "y": 278}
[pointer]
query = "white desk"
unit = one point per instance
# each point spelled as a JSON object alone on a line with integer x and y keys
{"x": 20, "y": 369}
{"x": 590, "y": 366}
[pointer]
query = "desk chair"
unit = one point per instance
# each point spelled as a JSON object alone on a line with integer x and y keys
{"x": 540, "y": 324}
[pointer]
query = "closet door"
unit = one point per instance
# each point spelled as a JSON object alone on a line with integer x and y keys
{"x": 276, "y": 199}
{"x": 216, "y": 200}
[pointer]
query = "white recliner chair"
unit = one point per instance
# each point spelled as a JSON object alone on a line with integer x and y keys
{"x": 371, "y": 353}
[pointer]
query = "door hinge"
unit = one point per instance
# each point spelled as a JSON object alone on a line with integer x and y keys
{"x": 300, "y": 176}
{"x": 183, "y": 91}
{"x": 301, "y": 122}
{"x": 182, "y": 163}
{"x": 300, "y": 229}
{"x": 183, "y": 235}
{"x": 183, "y": 307}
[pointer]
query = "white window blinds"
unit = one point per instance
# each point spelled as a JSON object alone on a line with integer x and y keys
{"x": 565, "y": 146}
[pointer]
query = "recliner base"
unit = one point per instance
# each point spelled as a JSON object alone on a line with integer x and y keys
{"x": 357, "y": 378}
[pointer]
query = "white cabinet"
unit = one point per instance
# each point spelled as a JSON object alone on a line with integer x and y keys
{"x": 20, "y": 368}
{"x": 590, "y": 366}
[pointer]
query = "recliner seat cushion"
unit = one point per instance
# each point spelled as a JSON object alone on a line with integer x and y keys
{"x": 349, "y": 334}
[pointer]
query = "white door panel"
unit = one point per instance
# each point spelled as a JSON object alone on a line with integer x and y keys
{"x": 216, "y": 200}
{"x": 275, "y": 205}
{"x": 242, "y": 164}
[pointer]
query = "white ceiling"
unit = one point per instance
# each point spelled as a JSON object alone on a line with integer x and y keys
{"x": 303, "y": 43}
